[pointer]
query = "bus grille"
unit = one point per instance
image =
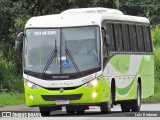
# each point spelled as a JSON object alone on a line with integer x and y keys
{"x": 61, "y": 97}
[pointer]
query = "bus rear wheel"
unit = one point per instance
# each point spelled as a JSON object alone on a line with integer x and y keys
{"x": 125, "y": 106}
{"x": 133, "y": 105}
{"x": 45, "y": 111}
{"x": 136, "y": 104}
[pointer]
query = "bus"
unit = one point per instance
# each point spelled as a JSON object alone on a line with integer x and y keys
{"x": 87, "y": 57}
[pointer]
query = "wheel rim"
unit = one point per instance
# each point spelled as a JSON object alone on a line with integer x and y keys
{"x": 138, "y": 98}
{"x": 110, "y": 101}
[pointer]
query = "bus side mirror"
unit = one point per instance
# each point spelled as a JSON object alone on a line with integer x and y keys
{"x": 19, "y": 41}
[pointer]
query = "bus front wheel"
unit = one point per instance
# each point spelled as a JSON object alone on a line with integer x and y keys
{"x": 70, "y": 109}
{"x": 80, "y": 111}
{"x": 106, "y": 106}
{"x": 45, "y": 111}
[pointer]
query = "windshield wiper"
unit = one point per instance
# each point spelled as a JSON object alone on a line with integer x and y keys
{"x": 49, "y": 61}
{"x": 71, "y": 58}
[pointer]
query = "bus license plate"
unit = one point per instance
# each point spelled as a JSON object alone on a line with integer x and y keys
{"x": 62, "y": 102}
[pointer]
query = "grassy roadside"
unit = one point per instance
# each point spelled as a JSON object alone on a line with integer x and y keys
{"x": 156, "y": 97}
{"x": 11, "y": 99}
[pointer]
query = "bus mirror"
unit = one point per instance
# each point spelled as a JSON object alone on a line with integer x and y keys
{"x": 107, "y": 40}
{"x": 20, "y": 36}
{"x": 17, "y": 45}
{"x": 19, "y": 41}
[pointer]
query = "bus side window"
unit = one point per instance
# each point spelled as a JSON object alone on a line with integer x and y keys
{"x": 133, "y": 38}
{"x": 140, "y": 38}
{"x": 147, "y": 38}
{"x": 110, "y": 32}
{"x": 118, "y": 37}
{"x": 126, "y": 39}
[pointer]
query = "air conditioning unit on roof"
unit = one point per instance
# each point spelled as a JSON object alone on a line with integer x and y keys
{"x": 93, "y": 10}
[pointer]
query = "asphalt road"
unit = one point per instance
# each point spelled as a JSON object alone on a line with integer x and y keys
{"x": 92, "y": 112}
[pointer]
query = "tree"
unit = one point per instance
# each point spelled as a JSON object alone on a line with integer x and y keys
{"x": 43, "y": 7}
{"x": 145, "y": 8}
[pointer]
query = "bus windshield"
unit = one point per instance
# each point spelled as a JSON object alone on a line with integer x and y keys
{"x": 76, "y": 48}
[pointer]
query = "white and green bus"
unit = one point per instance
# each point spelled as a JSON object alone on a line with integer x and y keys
{"x": 87, "y": 57}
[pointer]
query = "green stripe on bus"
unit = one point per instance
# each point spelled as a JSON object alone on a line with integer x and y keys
{"x": 123, "y": 91}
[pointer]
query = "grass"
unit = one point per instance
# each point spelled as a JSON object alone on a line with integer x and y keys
{"x": 11, "y": 99}
{"x": 156, "y": 97}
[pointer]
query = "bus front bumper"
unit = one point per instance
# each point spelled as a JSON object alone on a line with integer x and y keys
{"x": 81, "y": 95}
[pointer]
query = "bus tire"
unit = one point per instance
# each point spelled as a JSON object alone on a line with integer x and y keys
{"x": 136, "y": 104}
{"x": 106, "y": 106}
{"x": 125, "y": 106}
{"x": 80, "y": 111}
{"x": 70, "y": 109}
{"x": 45, "y": 111}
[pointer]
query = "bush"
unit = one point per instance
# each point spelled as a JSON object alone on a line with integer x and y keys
{"x": 9, "y": 81}
{"x": 156, "y": 35}
{"x": 157, "y": 62}
{"x": 156, "y": 42}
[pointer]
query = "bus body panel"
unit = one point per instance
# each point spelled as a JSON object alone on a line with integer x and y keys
{"x": 147, "y": 75}
{"x": 126, "y": 69}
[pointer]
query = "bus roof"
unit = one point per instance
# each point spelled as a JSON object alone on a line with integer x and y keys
{"x": 73, "y": 18}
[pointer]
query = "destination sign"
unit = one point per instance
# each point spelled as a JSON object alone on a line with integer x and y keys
{"x": 39, "y": 33}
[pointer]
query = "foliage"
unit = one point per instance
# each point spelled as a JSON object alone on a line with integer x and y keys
{"x": 156, "y": 35}
{"x": 9, "y": 81}
{"x": 156, "y": 42}
{"x": 145, "y": 8}
{"x": 43, "y": 7}
{"x": 157, "y": 62}
{"x": 11, "y": 99}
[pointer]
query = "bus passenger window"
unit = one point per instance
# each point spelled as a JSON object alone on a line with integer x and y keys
{"x": 126, "y": 40}
{"x": 133, "y": 38}
{"x": 147, "y": 39}
{"x": 118, "y": 37}
{"x": 141, "y": 45}
{"x": 110, "y": 32}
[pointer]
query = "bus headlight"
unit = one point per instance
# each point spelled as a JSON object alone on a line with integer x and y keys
{"x": 93, "y": 83}
{"x": 31, "y": 85}
{"x": 94, "y": 94}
